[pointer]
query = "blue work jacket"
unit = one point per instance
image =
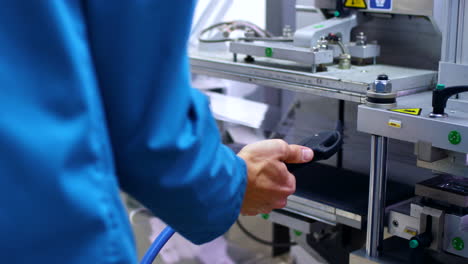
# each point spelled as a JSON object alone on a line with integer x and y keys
{"x": 95, "y": 97}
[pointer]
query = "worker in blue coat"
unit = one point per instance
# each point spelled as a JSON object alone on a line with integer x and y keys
{"x": 96, "y": 97}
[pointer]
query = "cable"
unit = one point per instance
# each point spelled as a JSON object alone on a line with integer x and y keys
{"x": 261, "y": 241}
{"x": 265, "y": 33}
{"x": 259, "y": 33}
{"x": 276, "y": 39}
{"x": 230, "y": 27}
{"x": 343, "y": 48}
{"x": 157, "y": 245}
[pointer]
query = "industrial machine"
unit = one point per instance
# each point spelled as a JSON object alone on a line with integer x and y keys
{"x": 402, "y": 68}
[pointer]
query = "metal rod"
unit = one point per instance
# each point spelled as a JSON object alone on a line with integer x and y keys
{"x": 377, "y": 195}
{"x": 340, "y": 127}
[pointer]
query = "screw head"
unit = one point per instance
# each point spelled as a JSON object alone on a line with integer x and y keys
{"x": 454, "y": 137}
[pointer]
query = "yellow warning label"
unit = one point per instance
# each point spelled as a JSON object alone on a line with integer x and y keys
{"x": 394, "y": 123}
{"x": 409, "y": 111}
{"x": 356, "y": 4}
{"x": 411, "y": 231}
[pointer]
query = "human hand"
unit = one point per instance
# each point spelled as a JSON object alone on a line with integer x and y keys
{"x": 269, "y": 183}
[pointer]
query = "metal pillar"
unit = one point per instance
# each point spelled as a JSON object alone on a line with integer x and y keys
{"x": 377, "y": 195}
{"x": 280, "y": 236}
{"x": 280, "y": 13}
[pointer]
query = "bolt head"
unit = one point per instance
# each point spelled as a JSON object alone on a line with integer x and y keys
{"x": 382, "y": 86}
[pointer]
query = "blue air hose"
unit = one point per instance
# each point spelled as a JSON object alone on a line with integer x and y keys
{"x": 157, "y": 245}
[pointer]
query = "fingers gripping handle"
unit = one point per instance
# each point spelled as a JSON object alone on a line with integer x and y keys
{"x": 324, "y": 144}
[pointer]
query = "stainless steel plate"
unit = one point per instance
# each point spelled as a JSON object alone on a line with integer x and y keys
{"x": 349, "y": 85}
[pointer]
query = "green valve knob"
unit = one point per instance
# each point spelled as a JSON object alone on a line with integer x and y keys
{"x": 458, "y": 243}
{"x": 297, "y": 232}
{"x": 413, "y": 243}
{"x": 454, "y": 137}
{"x": 440, "y": 86}
{"x": 337, "y": 13}
{"x": 265, "y": 216}
{"x": 268, "y": 52}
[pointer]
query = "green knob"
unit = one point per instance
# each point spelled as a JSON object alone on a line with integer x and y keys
{"x": 337, "y": 13}
{"x": 297, "y": 232}
{"x": 458, "y": 243}
{"x": 265, "y": 216}
{"x": 454, "y": 137}
{"x": 440, "y": 86}
{"x": 268, "y": 52}
{"x": 413, "y": 243}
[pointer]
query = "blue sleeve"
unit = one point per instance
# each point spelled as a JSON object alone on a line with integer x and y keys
{"x": 165, "y": 141}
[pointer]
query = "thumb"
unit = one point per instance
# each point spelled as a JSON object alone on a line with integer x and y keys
{"x": 298, "y": 154}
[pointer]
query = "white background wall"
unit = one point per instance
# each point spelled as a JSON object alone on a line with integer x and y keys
{"x": 251, "y": 10}
{"x": 209, "y": 12}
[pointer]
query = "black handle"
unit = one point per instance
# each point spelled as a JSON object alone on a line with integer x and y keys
{"x": 440, "y": 97}
{"x": 324, "y": 144}
{"x": 419, "y": 242}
